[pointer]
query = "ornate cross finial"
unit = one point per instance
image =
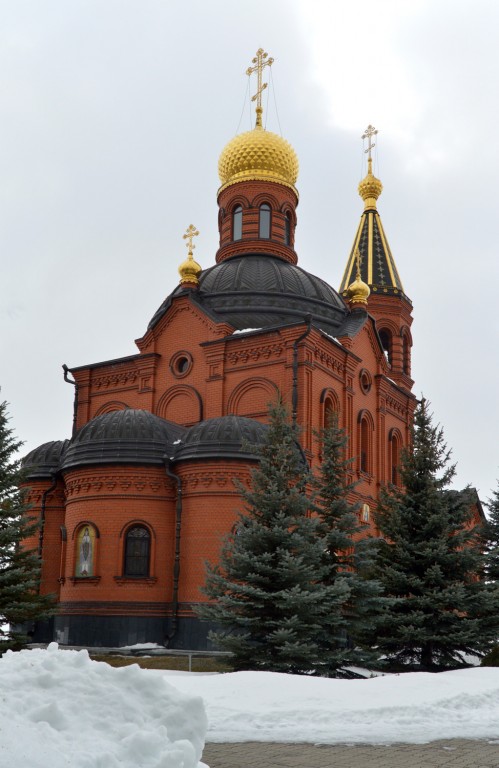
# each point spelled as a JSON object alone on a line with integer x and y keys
{"x": 260, "y": 61}
{"x": 190, "y": 232}
{"x": 368, "y": 134}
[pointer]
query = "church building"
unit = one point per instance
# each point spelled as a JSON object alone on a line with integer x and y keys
{"x": 140, "y": 496}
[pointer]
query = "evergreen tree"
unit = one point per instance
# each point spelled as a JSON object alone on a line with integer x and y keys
{"x": 19, "y": 568}
{"x": 492, "y": 539}
{"x": 349, "y": 555}
{"x": 270, "y": 597}
{"x": 431, "y": 561}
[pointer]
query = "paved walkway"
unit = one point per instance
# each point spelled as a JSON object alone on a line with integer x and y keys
{"x": 457, "y": 753}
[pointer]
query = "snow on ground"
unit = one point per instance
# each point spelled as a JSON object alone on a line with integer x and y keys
{"x": 63, "y": 710}
{"x": 414, "y": 707}
{"x": 60, "y": 709}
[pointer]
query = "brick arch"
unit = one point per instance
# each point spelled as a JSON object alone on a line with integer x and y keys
{"x": 252, "y": 397}
{"x": 395, "y": 445}
{"x": 182, "y": 404}
{"x": 137, "y": 522}
{"x": 330, "y": 402}
{"x": 406, "y": 331}
{"x": 286, "y": 209}
{"x": 241, "y": 200}
{"x": 265, "y": 197}
{"x": 365, "y": 442}
{"x": 112, "y": 405}
{"x": 81, "y": 523}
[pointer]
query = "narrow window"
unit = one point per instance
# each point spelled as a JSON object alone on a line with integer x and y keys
{"x": 386, "y": 343}
{"x": 287, "y": 229}
{"x": 364, "y": 446}
{"x": 137, "y": 549}
{"x": 394, "y": 459}
{"x": 406, "y": 355}
{"x": 237, "y": 223}
{"x": 264, "y": 229}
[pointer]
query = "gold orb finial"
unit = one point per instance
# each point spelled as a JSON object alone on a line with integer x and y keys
{"x": 358, "y": 291}
{"x": 370, "y": 188}
{"x": 190, "y": 270}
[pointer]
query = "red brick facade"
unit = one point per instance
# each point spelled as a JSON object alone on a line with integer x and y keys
{"x": 192, "y": 367}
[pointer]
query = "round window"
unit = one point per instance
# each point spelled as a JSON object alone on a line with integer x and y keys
{"x": 181, "y": 364}
{"x": 365, "y": 381}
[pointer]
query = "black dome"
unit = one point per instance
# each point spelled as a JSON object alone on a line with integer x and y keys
{"x": 259, "y": 291}
{"x": 123, "y": 437}
{"x": 44, "y": 461}
{"x": 225, "y": 437}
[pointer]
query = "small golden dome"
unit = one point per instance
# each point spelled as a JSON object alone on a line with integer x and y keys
{"x": 261, "y": 155}
{"x": 189, "y": 271}
{"x": 358, "y": 292}
{"x": 370, "y": 188}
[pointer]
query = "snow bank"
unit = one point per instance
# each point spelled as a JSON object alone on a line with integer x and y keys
{"x": 60, "y": 708}
{"x": 413, "y": 707}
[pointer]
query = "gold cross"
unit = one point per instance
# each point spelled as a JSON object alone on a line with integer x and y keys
{"x": 260, "y": 61}
{"x": 190, "y": 232}
{"x": 368, "y": 134}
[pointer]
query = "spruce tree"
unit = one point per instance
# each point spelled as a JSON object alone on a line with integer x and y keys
{"x": 270, "y": 599}
{"x": 349, "y": 555}
{"x": 431, "y": 561}
{"x": 492, "y": 539}
{"x": 20, "y": 600}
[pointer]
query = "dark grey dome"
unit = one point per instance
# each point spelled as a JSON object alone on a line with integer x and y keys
{"x": 259, "y": 291}
{"x": 44, "y": 461}
{"x": 225, "y": 437}
{"x": 123, "y": 437}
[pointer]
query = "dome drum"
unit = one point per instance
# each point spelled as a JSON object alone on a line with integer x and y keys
{"x": 282, "y": 202}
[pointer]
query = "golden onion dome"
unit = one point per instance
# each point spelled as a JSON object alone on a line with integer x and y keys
{"x": 358, "y": 292}
{"x": 370, "y": 188}
{"x": 189, "y": 271}
{"x": 258, "y": 155}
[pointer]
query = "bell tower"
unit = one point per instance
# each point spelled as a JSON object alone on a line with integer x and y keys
{"x": 372, "y": 258}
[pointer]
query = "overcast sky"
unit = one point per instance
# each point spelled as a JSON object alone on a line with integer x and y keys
{"x": 113, "y": 114}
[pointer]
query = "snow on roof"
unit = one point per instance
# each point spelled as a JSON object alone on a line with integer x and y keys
{"x": 60, "y": 708}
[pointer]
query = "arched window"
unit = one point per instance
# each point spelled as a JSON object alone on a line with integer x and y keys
{"x": 264, "y": 221}
{"x": 406, "y": 355}
{"x": 394, "y": 447}
{"x": 364, "y": 446}
{"x": 237, "y": 223}
{"x": 85, "y": 552}
{"x": 137, "y": 551}
{"x": 287, "y": 229}
{"x": 365, "y": 430}
{"x": 329, "y": 412}
{"x": 386, "y": 342}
